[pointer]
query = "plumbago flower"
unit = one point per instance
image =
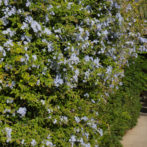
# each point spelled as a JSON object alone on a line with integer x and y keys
{"x": 8, "y": 133}
{"x": 22, "y": 111}
{"x": 33, "y": 142}
{"x": 60, "y": 61}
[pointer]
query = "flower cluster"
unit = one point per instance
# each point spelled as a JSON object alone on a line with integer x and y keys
{"x": 8, "y": 132}
{"x": 22, "y": 111}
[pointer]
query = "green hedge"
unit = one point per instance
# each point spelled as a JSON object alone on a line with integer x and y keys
{"x": 59, "y": 63}
{"x": 123, "y": 108}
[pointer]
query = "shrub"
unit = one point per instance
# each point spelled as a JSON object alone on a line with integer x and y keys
{"x": 59, "y": 62}
{"x": 123, "y": 107}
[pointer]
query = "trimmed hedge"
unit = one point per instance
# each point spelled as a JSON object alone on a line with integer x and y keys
{"x": 123, "y": 107}
{"x": 59, "y": 63}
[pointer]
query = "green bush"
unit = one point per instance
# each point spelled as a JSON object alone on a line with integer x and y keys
{"x": 123, "y": 107}
{"x": 59, "y": 62}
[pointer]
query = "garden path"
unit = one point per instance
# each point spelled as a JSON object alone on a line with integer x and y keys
{"x": 137, "y": 137}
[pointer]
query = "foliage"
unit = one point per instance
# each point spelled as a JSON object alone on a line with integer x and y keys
{"x": 123, "y": 107}
{"x": 59, "y": 62}
{"x": 142, "y": 9}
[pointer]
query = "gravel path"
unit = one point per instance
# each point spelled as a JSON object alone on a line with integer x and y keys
{"x": 137, "y": 137}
